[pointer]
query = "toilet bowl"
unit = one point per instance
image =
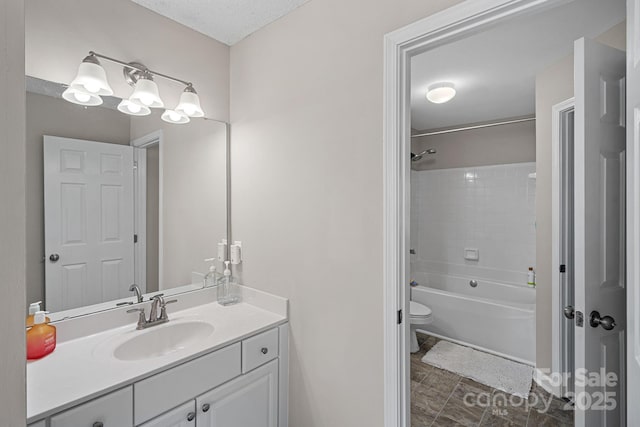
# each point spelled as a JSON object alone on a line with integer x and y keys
{"x": 419, "y": 316}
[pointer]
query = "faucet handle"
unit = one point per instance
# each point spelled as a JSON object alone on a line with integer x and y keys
{"x": 141, "y": 319}
{"x": 163, "y": 309}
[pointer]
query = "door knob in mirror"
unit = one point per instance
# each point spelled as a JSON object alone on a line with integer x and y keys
{"x": 607, "y": 322}
{"x": 569, "y": 312}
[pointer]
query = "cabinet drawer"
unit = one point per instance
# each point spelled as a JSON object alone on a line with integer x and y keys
{"x": 182, "y": 416}
{"x": 112, "y": 410}
{"x": 175, "y": 386}
{"x": 259, "y": 350}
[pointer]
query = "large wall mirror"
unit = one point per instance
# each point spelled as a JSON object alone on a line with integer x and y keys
{"x": 114, "y": 199}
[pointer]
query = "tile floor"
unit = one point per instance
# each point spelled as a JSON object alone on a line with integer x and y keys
{"x": 439, "y": 398}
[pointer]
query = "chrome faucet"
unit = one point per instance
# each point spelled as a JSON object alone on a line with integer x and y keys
{"x": 154, "y": 318}
{"x": 135, "y": 288}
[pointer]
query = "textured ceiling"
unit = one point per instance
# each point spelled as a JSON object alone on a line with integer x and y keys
{"x": 494, "y": 71}
{"x": 228, "y": 21}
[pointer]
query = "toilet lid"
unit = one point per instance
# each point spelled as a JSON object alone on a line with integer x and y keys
{"x": 418, "y": 310}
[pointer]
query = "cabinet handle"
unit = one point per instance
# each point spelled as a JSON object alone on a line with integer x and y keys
{"x": 264, "y": 350}
{"x": 98, "y": 424}
{"x": 191, "y": 416}
{"x": 205, "y": 407}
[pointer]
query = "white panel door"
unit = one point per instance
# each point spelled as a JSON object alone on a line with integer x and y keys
{"x": 248, "y": 401}
{"x": 633, "y": 211}
{"x": 88, "y": 198}
{"x": 600, "y": 148}
{"x": 182, "y": 416}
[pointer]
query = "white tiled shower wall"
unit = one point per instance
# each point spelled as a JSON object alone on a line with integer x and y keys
{"x": 489, "y": 208}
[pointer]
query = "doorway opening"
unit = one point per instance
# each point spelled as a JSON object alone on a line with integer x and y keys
{"x": 599, "y": 87}
{"x": 563, "y": 264}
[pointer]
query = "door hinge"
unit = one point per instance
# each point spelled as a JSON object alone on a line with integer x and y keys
{"x": 563, "y": 268}
{"x": 399, "y": 317}
{"x": 135, "y": 238}
{"x": 135, "y": 165}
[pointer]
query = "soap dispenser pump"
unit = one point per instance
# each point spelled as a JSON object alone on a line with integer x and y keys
{"x": 41, "y": 338}
{"x": 210, "y": 278}
{"x": 34, "y": 307}
{"x": 225, "y": 292}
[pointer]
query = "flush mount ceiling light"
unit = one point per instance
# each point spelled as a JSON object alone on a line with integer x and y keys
{"x": 439, "y": 93}
{"x": 172, "y": 116}
{"x": 91, "y": 83}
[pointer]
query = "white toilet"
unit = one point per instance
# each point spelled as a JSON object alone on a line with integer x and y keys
{"x": 419, "y": 316}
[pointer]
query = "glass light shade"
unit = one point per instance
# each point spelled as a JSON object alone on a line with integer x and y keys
{"x": 440, "y": 93}
{"x": 91, "y": 78}
{"x": 172, "y": 116}
{"x": 81, "y": 97}
{"x": 133, "y": 108}
{"x": 190, "y": 105}
{"x": 146, "y": 93}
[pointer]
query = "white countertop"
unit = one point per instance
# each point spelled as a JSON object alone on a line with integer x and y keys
{"x": 81, "y": 368}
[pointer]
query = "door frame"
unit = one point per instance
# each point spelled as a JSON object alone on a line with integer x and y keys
{"x": 461, "y": 20}
{"x": 140, "y": 205}
{"x": 559, "y": 112}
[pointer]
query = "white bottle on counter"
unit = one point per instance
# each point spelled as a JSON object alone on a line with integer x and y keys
{"x": 531, "y": 277}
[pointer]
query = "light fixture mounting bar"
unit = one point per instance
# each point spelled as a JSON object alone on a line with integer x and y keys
{"x": 142, "y": 70}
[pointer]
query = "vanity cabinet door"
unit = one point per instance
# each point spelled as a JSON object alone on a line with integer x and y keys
{"x": 113, "y": 410}
{"x": 182, "y": 416}
{"x": 248, "y": 401}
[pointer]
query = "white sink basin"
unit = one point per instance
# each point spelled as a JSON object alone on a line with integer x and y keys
{"x": 161, "y": 340}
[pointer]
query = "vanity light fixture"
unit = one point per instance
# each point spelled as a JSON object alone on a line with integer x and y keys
{"x": 172, "y": 116}
{"x": 91, "y": 83}
{"x": 442, "y": 92}
{"x": 190, "y": 103}
{"x": 132, "y": 108}
{"x": 81, "y": 97}
{"x": 146, "y": 92}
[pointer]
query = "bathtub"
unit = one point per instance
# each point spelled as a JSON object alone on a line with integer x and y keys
{"x": 494, "y": 317}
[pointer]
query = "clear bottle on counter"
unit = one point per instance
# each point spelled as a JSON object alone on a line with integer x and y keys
{"x": 227, "y": 288}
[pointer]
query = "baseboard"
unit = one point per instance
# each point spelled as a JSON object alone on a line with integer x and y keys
{"x": 544, "y": 381}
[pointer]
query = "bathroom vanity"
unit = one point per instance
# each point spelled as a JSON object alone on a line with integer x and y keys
{"x": 208, "y": 366}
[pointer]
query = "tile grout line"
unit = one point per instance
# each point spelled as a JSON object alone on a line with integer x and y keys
{"x": 482, "y": 417}
{"x": 446, "y": 401}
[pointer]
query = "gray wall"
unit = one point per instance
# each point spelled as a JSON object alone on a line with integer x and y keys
{"x": 153, "y": 224}
{"x": 553, "y": 85}
{"x": 193, "y": 206}
{"x": 307, "y": 194}
{"x": 513, "y": 143}
{"x": 12, "y": 214}
{"x": 56, "y": 117}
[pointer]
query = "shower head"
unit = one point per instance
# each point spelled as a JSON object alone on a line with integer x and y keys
{"x": 417, "y": 157}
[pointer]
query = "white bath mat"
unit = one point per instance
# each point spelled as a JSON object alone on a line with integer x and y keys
{"x": 494, "y": 371}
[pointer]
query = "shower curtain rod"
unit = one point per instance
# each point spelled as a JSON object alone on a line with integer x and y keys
{"x": 486, "y": 125}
